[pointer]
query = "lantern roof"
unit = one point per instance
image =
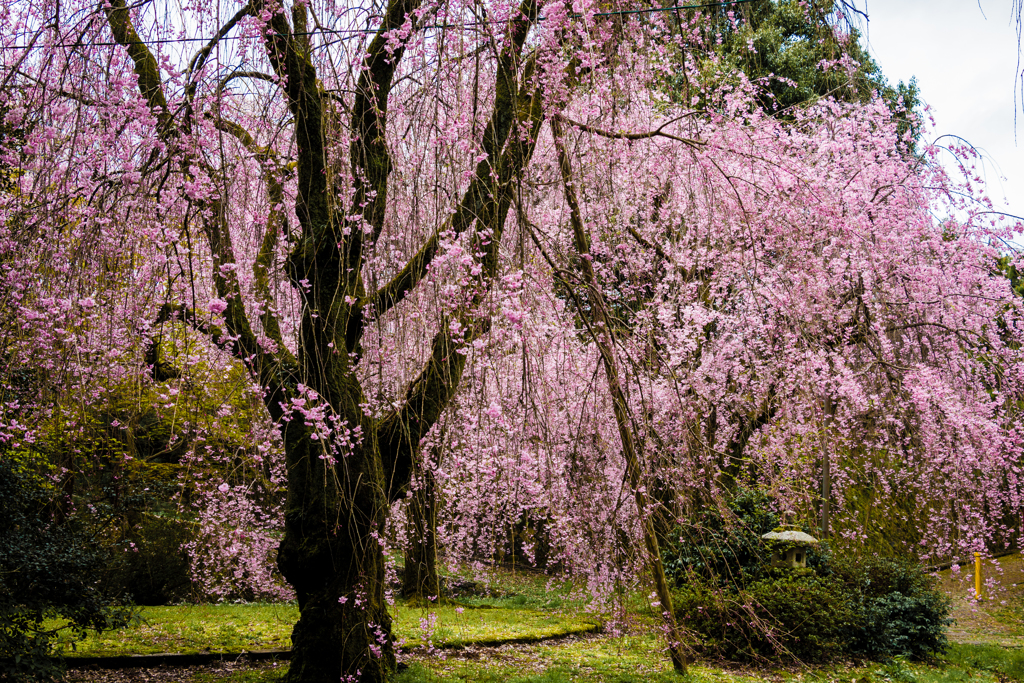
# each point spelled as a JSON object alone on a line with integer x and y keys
{"x": 790, "y": 533}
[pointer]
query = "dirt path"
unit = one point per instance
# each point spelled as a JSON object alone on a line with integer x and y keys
{"x": 164, "y": 674}
{"x": 997, "y": 619}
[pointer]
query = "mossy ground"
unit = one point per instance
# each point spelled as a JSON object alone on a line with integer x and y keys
{"x": 530, "y": 606}
{"x": 638, "y": 659}
{"x": 196, "y": 628}
{"x": 996, "y": 619}
{"x": 237, "y": 628}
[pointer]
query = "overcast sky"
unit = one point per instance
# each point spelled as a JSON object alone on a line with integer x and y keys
{"x": 964, "y": 55}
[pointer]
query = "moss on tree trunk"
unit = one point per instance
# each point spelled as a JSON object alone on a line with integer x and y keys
{"x": 331, "y": 556}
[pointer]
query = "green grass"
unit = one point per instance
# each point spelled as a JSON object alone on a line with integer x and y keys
{"x": 640, "y": 658}
{"x": 481, "y": 626}
{"x": 1008, "y": 662}
{"x": 196, "y": 628}
{"x": 273, "y": 673}
{"x": 629, "y": 659}
{"x": 523, "y": 605}
{"x": 233, "y": 628}
{"x": 530, "y": 589}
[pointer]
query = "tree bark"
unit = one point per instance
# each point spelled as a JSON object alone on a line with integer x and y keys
{"x": 600, "y": 326}
{"x": 337, "y": 504}
{"x": 826, "y": 468}
{"x": 331, "y": 552}
{"x": 331, "y": 556}
{"x": 420, "y": 581}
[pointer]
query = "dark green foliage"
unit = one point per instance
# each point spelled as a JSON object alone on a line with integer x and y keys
{"x": 1006, "y": 267}
{"x": 121, "y": 457}
{"x": 151, "y": 567}
{"x": 741, "y": 607}
{"x": 145, "y": 532}
{"x": 47, "y": 570}
{"x": 722, "y": 550}
{"x": 783, "y": 44}
{"x": 785, "y": 615}
{"x": 876, "y": 609}
{"x": 903, "y": 612}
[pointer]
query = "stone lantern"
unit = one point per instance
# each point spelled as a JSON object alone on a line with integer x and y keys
{"x": 789, "y": 546}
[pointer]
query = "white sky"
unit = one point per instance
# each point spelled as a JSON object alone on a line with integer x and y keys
{"x": 964, "y": 55}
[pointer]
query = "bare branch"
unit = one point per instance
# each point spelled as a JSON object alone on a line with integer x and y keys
{"x": 199, "y": 59}
{"x": 272, "y": 374}
{"x": 433, "y": 389}
{"x": 370, "y": 158}
{"x": 276, "y": 222}
{"x": 476, "y": 195}
{"x": 659, "y": 132}
{"x": 255, "y": 75}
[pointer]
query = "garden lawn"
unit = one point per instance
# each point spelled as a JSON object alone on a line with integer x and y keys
{"x": 188, "y": 629}
{"x": 640, "y": 659}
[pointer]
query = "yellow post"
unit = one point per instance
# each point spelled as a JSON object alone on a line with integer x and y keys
{"x": 977, "y": 576}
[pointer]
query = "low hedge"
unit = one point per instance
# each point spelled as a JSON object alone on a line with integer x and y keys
{"x": 738, "y": 606}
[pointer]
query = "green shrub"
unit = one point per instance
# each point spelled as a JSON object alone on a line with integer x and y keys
{"x": 149, "y": 565}
{"x": 742, "y": 608}
{"x": 144, "y": 532}
{"x": 48, "y": 569}
{"x": 723, "y": 550}
{"x": 903, "y": 612}
{"x": 787, "y": 615}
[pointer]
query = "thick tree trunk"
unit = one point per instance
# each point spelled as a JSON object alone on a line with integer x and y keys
{"x": 331, "y": 551}
{"x": 331, "y": 556}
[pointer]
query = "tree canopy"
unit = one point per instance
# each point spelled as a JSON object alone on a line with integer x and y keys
{"x": 497, "y": 232}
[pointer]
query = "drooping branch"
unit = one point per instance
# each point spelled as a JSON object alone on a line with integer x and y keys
{"x": 268, "y": 365}
{"x": 199, "y": 59}
{"x": 476, "y": 195}
{"x": 328, "y": 284}
{"x": 370, "y": 158}
{"x": 241, "y": 73}
{"x": 431, "y": 392}
{"x": 598, "y": 312}
{"x": 647, "y": 244}
{"x": 294, "y": 67}
{"x": 658, "y": 132}
{"x": 77, "y": 97}
{"x": 748, "y": 426}
{"x": 267, "y": 368}
{"x": 272, "y": 374}
{"x": 245, "y": 137}
{"x": 150, "y": 84}
{"x": 186, "y": 314}
{"x": 276, "y": 222}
